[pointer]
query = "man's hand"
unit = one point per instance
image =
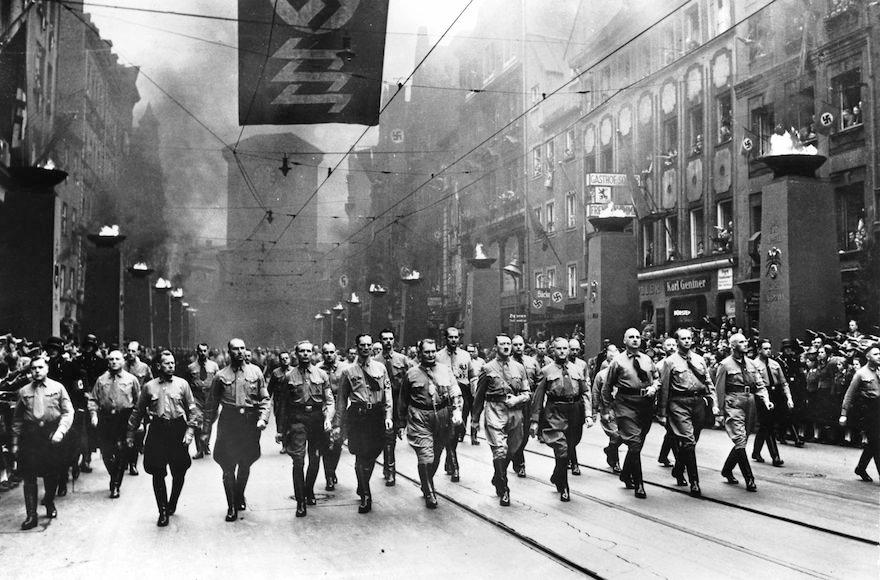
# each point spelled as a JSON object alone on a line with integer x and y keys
{"x": 662, "y": 420}
{"x": 14, "y": 450}
{"x": 336, "y": 434}
{"x": 277, "y": 437}
{"x": 389, "y": 424}
{"x": 328, "y": 425}
{"x": 400, "y": 432}
{"x": 261, "y": 424}
{"x": 588, "y": 422}
{"x": 94, "y": 420}
{"x": 533, "y": 429}
{"x": 770, "y": 406}
{"x": 651, "y": 391}
{"x": 716, "y": 411}
{"x": 456, "y": 417}
{"x": 790, "y": 404}
{"x": 57, "y": 437}
{"x": 842, "y": 420}
{"x": 129, "y": 442}
{"x": 187, "y": 438}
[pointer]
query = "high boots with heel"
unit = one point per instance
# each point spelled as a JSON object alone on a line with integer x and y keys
{"x": 161, "y": 494}
{"x": 427, "y": 485}
{"x": 746, "y": 469}
{"x": 727, "y": 470}
{"x": 30, "y": 504}
{"x": 229, "y": 490}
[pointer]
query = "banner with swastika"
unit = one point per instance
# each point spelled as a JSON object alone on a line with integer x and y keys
{"x": 303, "y": 62}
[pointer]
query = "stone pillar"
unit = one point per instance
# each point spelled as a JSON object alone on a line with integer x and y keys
{"x": 482, "y": 306}
{"x": 612, "y": 289}
{"x": 800, "y": 268}
{"x": 104, "y": 291}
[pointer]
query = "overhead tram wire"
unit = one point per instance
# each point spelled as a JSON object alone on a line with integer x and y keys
{"x": 535, "y": 105}
{"x": 382, "y": 110}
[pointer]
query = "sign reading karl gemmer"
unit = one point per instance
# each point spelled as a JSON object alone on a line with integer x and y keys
{"x": 688, "y": 285}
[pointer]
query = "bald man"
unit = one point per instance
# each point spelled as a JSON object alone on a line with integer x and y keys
{"x": 110, "y": 403}
{"x": 574, "y": 356}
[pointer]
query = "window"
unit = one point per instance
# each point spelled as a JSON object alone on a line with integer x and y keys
{"x": 851, "y": 217}
{"x": 670, "y": 141}
{"x": 538, "y": 216}
{"x": 62, "y": 279}
{"x": 550, "y": 155}
{"x": 536, "y": 93}
{"x": 848, "y": 97}
{"x": 721, "y": 15}
{"x": 539, "y": 279}
{"x": 761, "y": 118}
{"x": 799, "y": 110}
{"x": 723, "y": 235}
{"x": 648, "y": 244}
{"x": 537, "y": 162}
{"x": 724, "y": 115}
{"x": 550, "y": 213}
{"x": 695, "y": 129}
{"x": 64, "y": 219}
{"x": 570, "y": 209}
{"x": 693, "y": 36}
{"x": 698, "y": 231}
{"x": 757, "y": 38}
{"x": 572, "y": 278}
{"x": 670, "y": 233}
{"x": 568, "y": 153}
{"x": 607, "y": 153}
{"x": 754, "y": 214}
{"x": 550, "y": 277}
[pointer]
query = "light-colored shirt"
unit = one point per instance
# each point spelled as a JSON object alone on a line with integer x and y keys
{"x": 364, "y": 383}
{"x": 114, "y": 392}
{"x": 165, "y": 399}
{"x": 241, "y": 388}
{"x": 45, "y": 403}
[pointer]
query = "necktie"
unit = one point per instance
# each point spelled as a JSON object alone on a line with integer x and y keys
{"x": 643, "y": 376}
{"x": 566, "y": 380}
{"x": 39, "y": 402}
{"x": 770, "y": 382}
{"x": 203, "y": 372}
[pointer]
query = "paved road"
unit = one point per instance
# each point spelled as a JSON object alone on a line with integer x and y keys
{"x": 810, "y": 518}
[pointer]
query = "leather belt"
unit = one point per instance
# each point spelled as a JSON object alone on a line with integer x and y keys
{"x": 304, "y": 408}
{"x": 643, "y": 392}
{"x": 685, "y": 394}
{"x": 738, "y": 389}
{"x": 440, "y": 405}
{"x": 496, "y": 398}
{"x": 573, "y": 399}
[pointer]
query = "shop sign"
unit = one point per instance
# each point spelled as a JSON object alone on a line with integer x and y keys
{"x": 689, "y": 285}
{"x": 725, "y": 279}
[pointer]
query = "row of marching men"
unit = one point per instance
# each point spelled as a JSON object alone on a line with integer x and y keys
{"x": 372, "y": 401}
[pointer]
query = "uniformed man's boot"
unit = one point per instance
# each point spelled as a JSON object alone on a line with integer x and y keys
{"x": 311, "y": 478}
{"x": 612, "y": 458}
{"x": 758, "y": 446}
{"x": 62, "y": 484}
{"x": 573, "y": 460}
{"x": 679, "y": 468}
{"x": 366, "y": 497}
{"x": 453, "y": 456}
{"x": 690, "y": 456}
{"x": 427, "y": 486}
{"x": 447, "y": 465}
{"x": 505, "y": 495}
{"x": 727, "y": 470}
{"x": 299, "y": 486}
{"x": 638, "y": 483}
{"x": 176, "y": 489}
{"x": 229, "y": 490}
{"x": 474, "y": 440}
{"x": 746, "y": 469}
{"x": 30, "y": 505}
{"x": 51, "y": 485}
{"x": 626, "y": 474}
{"x": 774, "y": 452}
{"x": 499, "y": 479}
{"x": 560, "y": 478}
{"x": 389, "y": 471}
{"x": 161, "y": 494}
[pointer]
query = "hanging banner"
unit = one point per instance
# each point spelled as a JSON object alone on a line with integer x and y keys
{"x": 318, "y": 61}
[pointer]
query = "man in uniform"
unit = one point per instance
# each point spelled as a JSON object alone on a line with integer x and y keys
{"x": 365, "y": 384}
{"x": 541, "y": 354}
{"x": 200, "y": 374}
{"x": 90, "y": 366}
{"x": 111, "y": 401}
{"x": 395, "y": 365}
{"x": 135, "y": 366}
{"x": 305, "y": 415}
{"x": 634, "y": 376}
{"x": 669, "y": 347}
{"x": 333, "y": 446}
{"x": 533, "y": 374}
{"x": 173, "y": 416}
{"x": 459, "y": 361}
{"x": 430, "y": 406}
{"x": 606, "y": 413}
{"x": 43, "y": 414}
{"x": 503, "y": 389}
{"x": 65, "y": 372}
{"x": 792, "y": 368}
{"x": 241, "y": 389}
{"x": 351, "y": 354}
{"x": 862, "y": 399}
{"x": 780, "y": 395}
{"x": 277, "y": 381}
{"x": 477, "y": 363}
{"x": 685, "y": 381}
{"x": 574, "y": 356}
{"x": 736, "y": 380}
{"x": 562, "y": 385}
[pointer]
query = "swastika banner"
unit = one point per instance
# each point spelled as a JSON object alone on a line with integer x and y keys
{"x": 303, "y": 62}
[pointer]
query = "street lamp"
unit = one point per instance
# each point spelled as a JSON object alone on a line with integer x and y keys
{"x": 337, "y": 308}
{"x": 319, "y": 319}
{"x": 514, "y": 270}
{"x": 409, "y": 278}
{"x": 100, "y": 270}
{"x": 353, "y": 302}
{"x": 163, "y": 287}
{"x": 140, "y": 271}
{"x": 175, "y": 320}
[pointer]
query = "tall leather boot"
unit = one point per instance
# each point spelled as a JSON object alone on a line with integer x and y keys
{"x": 612, "y": 457}
{"x": 311, "y": 478}
{"x": 573, "y": 460}
{"x": 638, "y": 482}
{"x": 427, "y": 486}
{"x": 774, "y": 452}
{"x": 241, "y": 479}
{"x": 474, "y": 440}
{"x": 176, "y": 489}
{"x": 560, "y": 478}
{"x": 161, "y": 494}
{"x": 690, "y": 457}
{"x": 229, "y": 490}
{"x": 499, "y": 479}
{"x": 680, "y": 466}
{"x": 626, "y": 474}
{"x": 390, "y": 470}
{"x": 746, "y": 469}
{"x": 366, "y": 504}
{"x": 758, "y": 446}
{"x": 452, "y": 453}
{"x": 62, "y": 483}
{"x": 51, "y": 485}
{"x": 30, "y": 505}
{"x": 116, "y": 481}
{"x": 727, "y": 470}
{"x": 299, "y": 486}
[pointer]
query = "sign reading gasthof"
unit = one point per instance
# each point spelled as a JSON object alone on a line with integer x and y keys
{"x": 608, "y": 179}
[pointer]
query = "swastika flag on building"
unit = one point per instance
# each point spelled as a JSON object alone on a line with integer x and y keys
{"x": 303, "y": 62}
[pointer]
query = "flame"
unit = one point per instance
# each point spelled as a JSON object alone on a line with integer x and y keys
{"x": 611, "y": 211}
{"x": 140, "y": 266}
{"x": 163, "y": 284}
{"x": 109, "y": 231}
{"x": 377, "y": 288}
{"x": 788, "y": 143}
{"x": 479, "y": 254}
{"x": 413, "y": 275}
{"x": 49, "y": 164}
{"x": 354, "y": 299}
{"x": 177, "y": 292}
